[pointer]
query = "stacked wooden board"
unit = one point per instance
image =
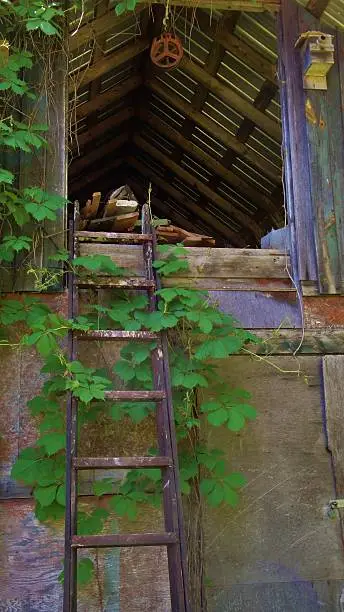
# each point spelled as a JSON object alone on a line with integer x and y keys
{"x": 119, "y": 212}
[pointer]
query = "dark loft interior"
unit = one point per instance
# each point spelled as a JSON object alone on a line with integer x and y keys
{"x": 206, "y": 134}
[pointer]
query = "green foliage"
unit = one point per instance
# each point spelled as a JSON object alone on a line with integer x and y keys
{"x": 18, "y": 131}
{"x": 201, "y": 334}
{"x": 125, "y": 5}
{"x": 99, "y": 263}
{"x": 38, "y": 15}
{"x": 85, "y": 571}
{"x": 174, "y": 260}
{"x": 198, "y": 334}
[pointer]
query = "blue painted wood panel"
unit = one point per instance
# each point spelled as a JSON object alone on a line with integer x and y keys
{"x": 256, "y": 310}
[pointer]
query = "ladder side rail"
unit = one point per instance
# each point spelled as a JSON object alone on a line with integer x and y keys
{"x": 165, "y": 427}
{"x": 70, "y": 563}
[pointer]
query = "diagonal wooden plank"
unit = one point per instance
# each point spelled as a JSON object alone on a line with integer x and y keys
{"x": 97, "y": 27}
{"x": 210, "y": 162}
{"x": 211, "y": 221}
{"x": 98, "y": 152}
{"x": 215, "y": 130}
{"x": 110, "y": 96}
{"x": 201, "y": 187}
{"x": 107, "y": 63}
{"x": 236, "y": 46}
{"x": 317, "y": 7}
{"x": 103, "y": 126}
{"x": 231, "y": 98}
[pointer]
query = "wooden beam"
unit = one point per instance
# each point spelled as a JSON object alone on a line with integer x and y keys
{"x": 103, "y": 126}
{"x": 224, "y": 205}
{"x": 107, "y": 63}
{"x": 97, "y": 27}
{"x": 231, "y": 98}
{"x": 214, "y": 129}
{"x": 98, "y": 153}
{"x": 211, "y": 65}
{"x": 82, "y": 182}
{"x": 235, "y": 45}
{"x": 207, "y": 218}
{"x": 254, "y": 6}
{"x": 317, "y": 7}
{"x": 211, "y": 163}
{"x": 95, "y": 87}
{"x": 110, "y": 96}
{"x": 165, "y": 208}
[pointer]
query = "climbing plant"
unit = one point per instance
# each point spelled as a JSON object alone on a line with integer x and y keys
{"x": 199, "y": 334}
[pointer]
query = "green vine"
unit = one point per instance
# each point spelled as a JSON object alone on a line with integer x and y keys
{"x": 199, "y": 334}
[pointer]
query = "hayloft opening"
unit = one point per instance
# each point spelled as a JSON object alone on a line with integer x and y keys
{"x": 206, "y": 135}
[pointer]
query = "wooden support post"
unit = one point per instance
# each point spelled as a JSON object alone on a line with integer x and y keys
{"x": 314, "y": 152}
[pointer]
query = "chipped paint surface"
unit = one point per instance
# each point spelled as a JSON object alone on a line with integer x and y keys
{"x": 310, "y": 113}
{"x": 324, "y": 311}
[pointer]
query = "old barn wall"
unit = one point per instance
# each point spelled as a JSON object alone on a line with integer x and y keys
{"x": 278, "y": 548}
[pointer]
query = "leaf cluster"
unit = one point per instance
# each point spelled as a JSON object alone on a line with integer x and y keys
{"x": 199, "y": 334}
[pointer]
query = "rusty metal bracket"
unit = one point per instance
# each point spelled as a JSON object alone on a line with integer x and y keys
{"x": 317, "y": 53}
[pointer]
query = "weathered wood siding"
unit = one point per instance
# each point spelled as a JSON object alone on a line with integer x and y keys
{"x": 313, "y": 123}
{"x": 45, "y": 168}
{"x": 277, "y": 550}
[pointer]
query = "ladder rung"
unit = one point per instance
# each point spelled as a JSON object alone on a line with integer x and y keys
{"x": 89, "y": 463}
{"x": 109, "y": 334}
{"x": 113, "y": 237}
{"x": 135, "y": 396}
{"x": 120, "y": 283}
{"x": 124, "y": 539}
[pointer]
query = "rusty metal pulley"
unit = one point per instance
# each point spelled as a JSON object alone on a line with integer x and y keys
{"x": 166, "y": 51}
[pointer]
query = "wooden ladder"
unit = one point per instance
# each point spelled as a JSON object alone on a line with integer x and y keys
{"x": 167, "y": 460}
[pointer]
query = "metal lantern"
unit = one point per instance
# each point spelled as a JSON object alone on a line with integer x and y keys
{"x": 166, "y": 51}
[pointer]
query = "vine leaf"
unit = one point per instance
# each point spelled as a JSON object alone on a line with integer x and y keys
{"x": 27, "y": 467}
{"x": 45, "y": 495}
{"x": 93, "y": 522}
{"x": 219, "y": 348}
{"x": 41, "y": 205}
{"x": 124, "y": 505}
{"x": 103, "y": 487}
{"x": 6, "y": 176}
{"x": 99, "y": 263}
{"x": 52, "y": 442}
{"x": 61, "y": 495}
{"x": 85, "y": 571}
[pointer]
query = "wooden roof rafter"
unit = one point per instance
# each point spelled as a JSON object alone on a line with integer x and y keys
{"x": 225, "y": 36}
{"x": 98, "y": 153}
{"x": 210, "y": 162}
{"x": 102, "y": 127}
{"x": 208, "y": 219}
{"x": 213, "y": 128}
{"x": 84, "y": 182}
{"x": 160, "y": 204}
{"x": 109, "y": 96}
{"x": 242, "y": 178}
{"x": 99, "y": 26}
{"x": 211, "y": 66}
{"x": 248, "y": 223}
{"x": 107, "y": 63}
